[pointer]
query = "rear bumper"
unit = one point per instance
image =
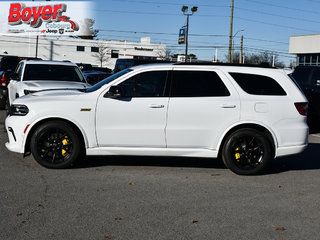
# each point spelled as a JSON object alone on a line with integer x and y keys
{"x": 284, "y": 151}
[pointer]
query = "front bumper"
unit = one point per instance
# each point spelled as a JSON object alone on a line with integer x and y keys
{"x": 15, "y": 126}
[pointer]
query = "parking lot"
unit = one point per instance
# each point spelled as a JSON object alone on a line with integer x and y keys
{"x": 159, "y": 198}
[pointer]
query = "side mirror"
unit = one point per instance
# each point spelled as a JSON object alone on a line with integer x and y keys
{"x": 14, "y": 77}
{"x": 318, "y": 83}
{"x": 114, "y": 92}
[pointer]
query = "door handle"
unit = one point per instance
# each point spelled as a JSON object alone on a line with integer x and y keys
{"x": 227, "y": 106}
{"x": 156, "y": 106}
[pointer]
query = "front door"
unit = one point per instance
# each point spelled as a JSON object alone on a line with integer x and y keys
{"x": 137, "y": 118}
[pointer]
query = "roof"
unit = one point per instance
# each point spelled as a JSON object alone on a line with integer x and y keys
{"x": 202, "y": 64}
{"x": 48, "y": 62}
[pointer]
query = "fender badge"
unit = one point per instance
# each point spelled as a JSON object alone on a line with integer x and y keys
{"x": 85, "y": 109}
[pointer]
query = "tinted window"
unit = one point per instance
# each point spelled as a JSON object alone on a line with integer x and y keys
{"x": 52, "y": 72}
{"x": 80, "y": 48}
{"x": 114, "y": 53}
{"x": 197, "y": 84}
{"x": 147, "y": 84}
{"x": 258, "y": 84}
{"x": 94, "y": 49}
{"x": 301, "y": 75}
{"x": 315, "y": 76}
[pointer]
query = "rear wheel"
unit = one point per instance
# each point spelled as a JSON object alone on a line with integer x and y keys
{"x": 246, "y": 152}
{"x": 56, "y": 144}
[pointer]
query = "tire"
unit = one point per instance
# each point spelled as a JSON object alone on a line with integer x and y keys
{"x": 56, "y": 145}
{"x": 246, "y": 152}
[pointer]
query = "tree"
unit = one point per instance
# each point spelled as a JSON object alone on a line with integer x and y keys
{"x": 101, "y": 54}
{"x": 265, "y": 57}
{"x": 90, "y": 32}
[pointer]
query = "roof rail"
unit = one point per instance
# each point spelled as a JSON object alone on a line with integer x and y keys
{"x": 262, "y": 65}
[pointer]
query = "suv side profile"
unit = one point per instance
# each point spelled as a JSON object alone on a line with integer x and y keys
{"x": 246, "y": 115}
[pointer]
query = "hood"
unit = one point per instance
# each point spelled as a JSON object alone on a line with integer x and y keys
{"x": 55, "y": 96}
{"x": 45, "y": 85}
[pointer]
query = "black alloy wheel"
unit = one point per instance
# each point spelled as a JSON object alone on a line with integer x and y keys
{"x": 56, "y": 144}
{"x": 246, "y": 152}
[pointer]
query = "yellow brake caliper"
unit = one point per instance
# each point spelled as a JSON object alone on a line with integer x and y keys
{"x": 64, "y": 142}
{"x": 237, "y": 155}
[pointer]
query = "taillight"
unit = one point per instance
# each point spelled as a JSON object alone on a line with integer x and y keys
{"x": 302, "y": 108}
{"x": 3, "y": 80}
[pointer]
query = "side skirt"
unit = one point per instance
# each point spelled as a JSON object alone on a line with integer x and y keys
{"x": 130, "y": 151}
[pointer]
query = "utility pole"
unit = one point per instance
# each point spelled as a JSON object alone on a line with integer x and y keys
{"x": 37, "y": 43}
{"x": 230, "y": 35}
{"x": 241, "y": 49}
{"x": 187, "y": 32}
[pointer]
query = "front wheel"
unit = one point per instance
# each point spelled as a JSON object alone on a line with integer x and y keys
{"x": 246, "y": 152}
{"x": 56, "y": 144}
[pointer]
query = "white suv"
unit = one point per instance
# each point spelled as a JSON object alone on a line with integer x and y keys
{"x": 246, "y": 115}
{"x": 36, "y": 75}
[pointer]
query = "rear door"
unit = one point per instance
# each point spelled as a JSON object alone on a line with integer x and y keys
{"x": 202, "y": 105}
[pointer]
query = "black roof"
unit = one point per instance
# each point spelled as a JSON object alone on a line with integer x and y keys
{"x": 262, "y": 65}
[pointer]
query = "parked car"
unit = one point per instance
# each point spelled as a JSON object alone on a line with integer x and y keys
{"x": 7, "y": 66}
{"x": 123, "y": 63}
{"x": 246, "y": 115}
{"x": 308, "y": 78}
{"x": 93, "y": 76}
{"x": 33, "y": 75}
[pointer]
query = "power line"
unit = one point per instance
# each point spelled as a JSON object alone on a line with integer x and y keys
{"x": 283, "y": 7}
{"x": 276, "y": 15}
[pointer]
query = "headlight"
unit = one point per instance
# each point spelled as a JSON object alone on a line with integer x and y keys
{"x": 18, "y": 110}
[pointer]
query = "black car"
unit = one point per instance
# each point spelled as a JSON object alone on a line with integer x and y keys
{"x": 308, "y": 78}
{"x": 7, "y": 65}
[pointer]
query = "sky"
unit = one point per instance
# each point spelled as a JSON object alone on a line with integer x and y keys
{"x": 265, "y": 25}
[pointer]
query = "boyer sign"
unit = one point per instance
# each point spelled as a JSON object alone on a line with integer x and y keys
{"x": 43, "y": 18}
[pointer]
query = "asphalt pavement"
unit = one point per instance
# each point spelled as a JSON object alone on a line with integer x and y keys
{"x": 159, "y": 198}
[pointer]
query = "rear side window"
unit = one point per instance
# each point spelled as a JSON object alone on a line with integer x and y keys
{"x": 258, "y": 84}
{"x": 302, "y": 75}
{"x": 197, "y": 84}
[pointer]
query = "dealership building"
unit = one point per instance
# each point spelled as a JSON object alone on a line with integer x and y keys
{"x": 95, "y": 52}
{"x": 306, "y": 48}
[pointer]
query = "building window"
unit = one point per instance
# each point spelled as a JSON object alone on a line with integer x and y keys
{"x": 94, "y": 49}
{"x": 80, "y": 48}
{"x": 114, "y": 53}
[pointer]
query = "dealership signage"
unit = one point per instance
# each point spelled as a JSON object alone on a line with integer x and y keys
{"x": 182, "y": 35}
{"x": 57, "y": 18}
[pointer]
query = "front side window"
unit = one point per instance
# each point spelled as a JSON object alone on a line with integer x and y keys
{"x": 147, "y": 84}
{"x": 258, "y": 84}
{"x": 198, "y": 84}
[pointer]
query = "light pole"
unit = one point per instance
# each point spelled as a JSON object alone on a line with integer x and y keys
{"x": 184, "y": 9}
{"x": 232, "y": 46}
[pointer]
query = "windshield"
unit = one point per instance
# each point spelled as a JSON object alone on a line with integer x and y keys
{"x": 107, "y": 80}
{"x": 47, "y": 72}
